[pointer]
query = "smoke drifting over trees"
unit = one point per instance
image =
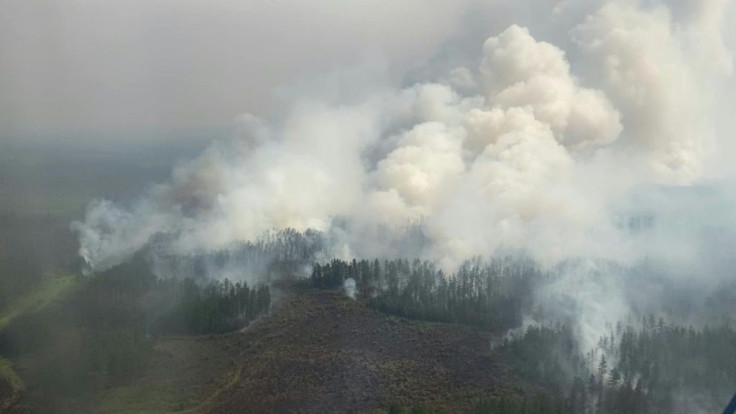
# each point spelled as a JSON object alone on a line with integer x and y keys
{"x": 589, "y": 152}
{"x": 476, "y": 206}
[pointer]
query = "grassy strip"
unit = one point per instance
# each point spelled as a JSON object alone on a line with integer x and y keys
{"x": 13, "y": 381}
{"x": 231, "y": 379}
{"x": 35, "y": 300}
{"x": 38, "y": 298}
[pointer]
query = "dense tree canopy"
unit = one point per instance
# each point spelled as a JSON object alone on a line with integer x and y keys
{"x": 490, "y": 295}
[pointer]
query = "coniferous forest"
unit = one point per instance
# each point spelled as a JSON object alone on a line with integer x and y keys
{"x": 490, "y": 296}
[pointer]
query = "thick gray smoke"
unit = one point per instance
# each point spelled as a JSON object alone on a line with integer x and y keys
{"x": 523, "y": 151}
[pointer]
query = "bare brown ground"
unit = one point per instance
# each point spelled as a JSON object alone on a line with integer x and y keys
{"x": 323, "y": 352}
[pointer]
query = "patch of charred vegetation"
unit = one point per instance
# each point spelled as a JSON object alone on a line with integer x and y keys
{"x": 319, "y": 351}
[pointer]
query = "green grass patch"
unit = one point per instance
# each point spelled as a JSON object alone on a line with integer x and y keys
{"x": 141, "y": 397}
{"x": 38, "y": 298}
{"x": 7, "y": 373}
{"x": 161, "y": 396}
{"x": 12, "y": 383}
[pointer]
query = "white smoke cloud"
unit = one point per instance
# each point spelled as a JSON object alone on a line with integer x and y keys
{"x": 520, "y": 71}
{"x": 525, "y": 152}
{"x": 652, "y": 66}
{"x": 515, "y": 151}
{"x": 426, "y": 158}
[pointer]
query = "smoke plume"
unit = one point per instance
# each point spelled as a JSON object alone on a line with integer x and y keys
{"x": 527, "y": 150}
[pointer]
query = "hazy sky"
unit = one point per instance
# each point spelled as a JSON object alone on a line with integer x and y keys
{"x": 97, "y": 66}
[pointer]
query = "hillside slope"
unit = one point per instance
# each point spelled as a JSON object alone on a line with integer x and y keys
{"x": 323, "y": 352}
{"x": 11, "y": 385}
{"x": 317, "y": 351}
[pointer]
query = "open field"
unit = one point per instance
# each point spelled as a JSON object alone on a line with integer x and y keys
{"x": 181, "y": 377}
{"x": 48, "y": 291}
{"x": 11, "y": 385}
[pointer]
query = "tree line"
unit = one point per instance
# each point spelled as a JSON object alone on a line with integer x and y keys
{"x": 490, "y": 294}
{"x": 270, "y": 257}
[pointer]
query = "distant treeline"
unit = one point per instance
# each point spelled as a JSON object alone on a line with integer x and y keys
{"x": 269, "y": 258}
{"x": 491, "y": 294}
{"x": 130, "y": 296}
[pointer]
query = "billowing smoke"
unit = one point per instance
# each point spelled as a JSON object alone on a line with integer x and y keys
{"x": 524, "y": 151}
